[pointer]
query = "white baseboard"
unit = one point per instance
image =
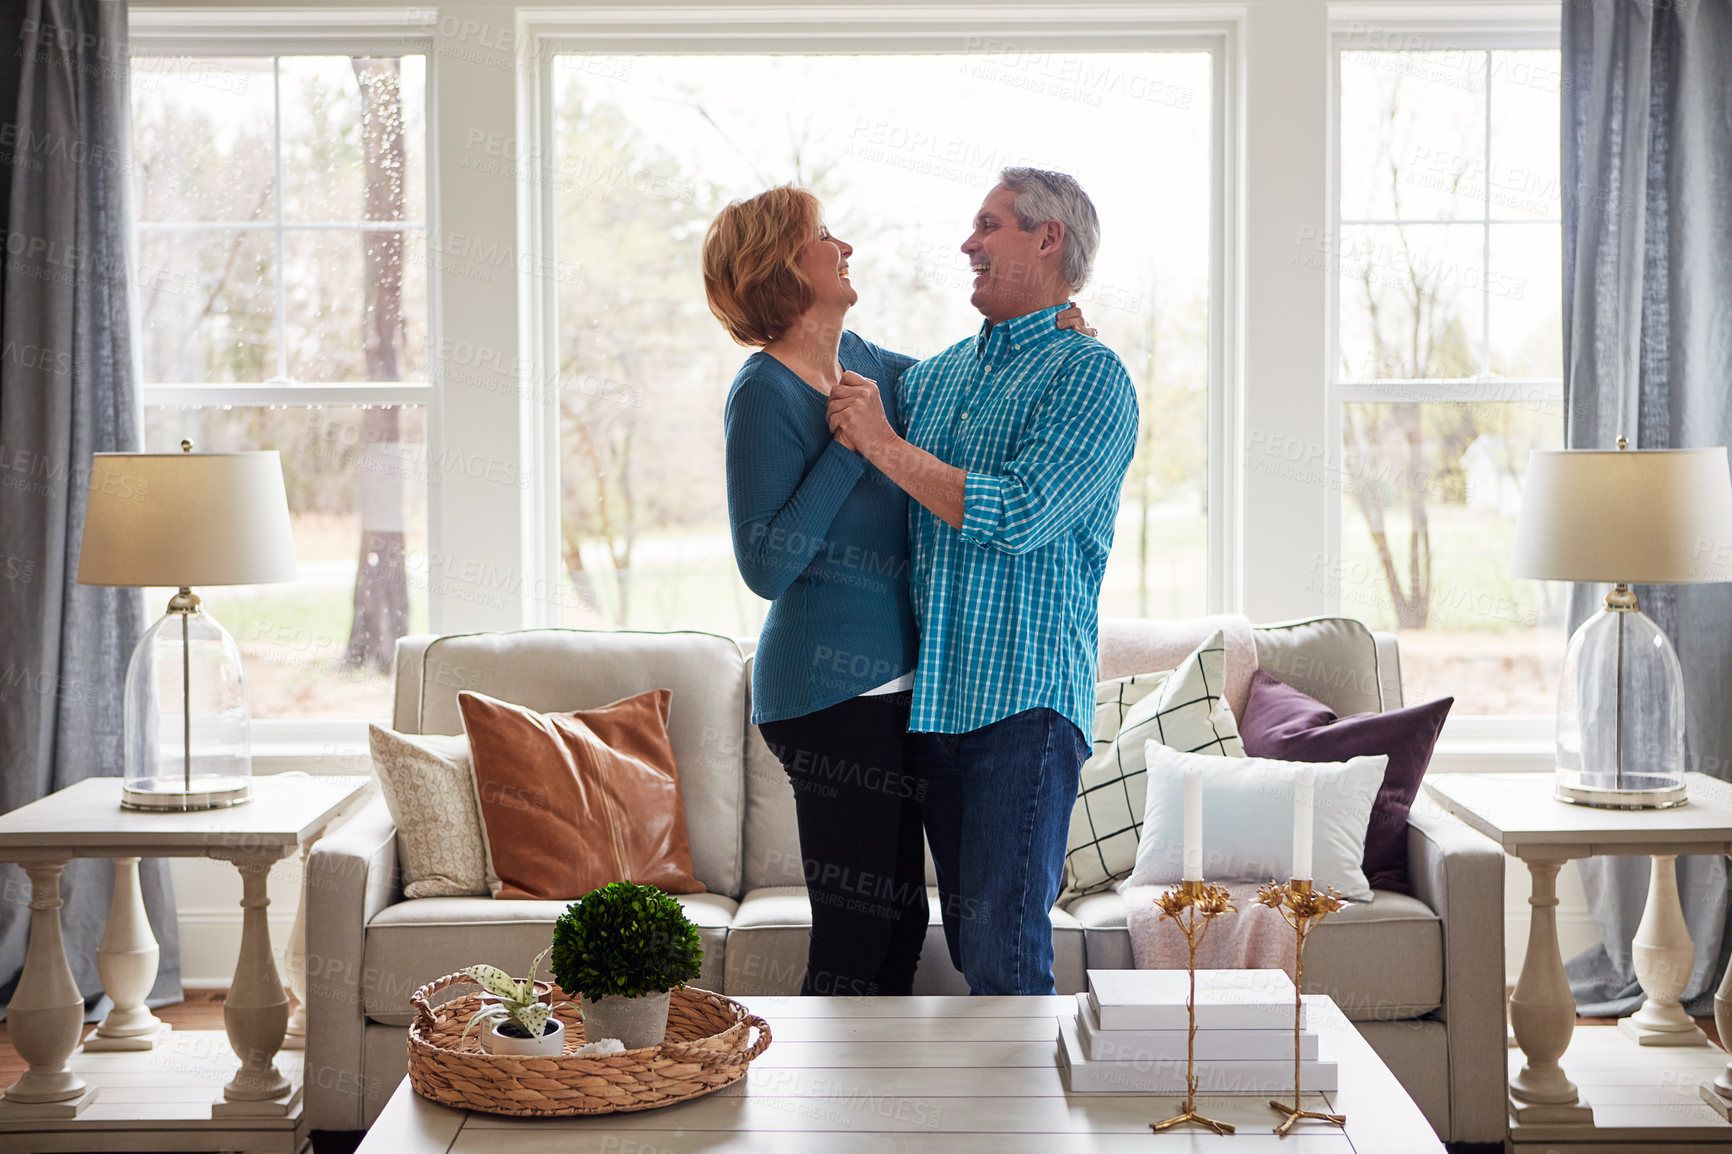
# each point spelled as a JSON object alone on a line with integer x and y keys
{"x": 1576, "y": 932}
{"x": 208, "y": 911}
{"x": 210, "y": 942}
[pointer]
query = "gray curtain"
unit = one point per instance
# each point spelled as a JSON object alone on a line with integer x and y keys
{"x": 1647, "y": 167}
{"x": 67, "y": 390}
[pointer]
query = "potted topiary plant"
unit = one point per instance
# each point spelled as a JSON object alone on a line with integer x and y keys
{"x": 625, "y": 948}
{"x": 522, "y": 1023}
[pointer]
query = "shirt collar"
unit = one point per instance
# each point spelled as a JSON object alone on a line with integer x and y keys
{"x": 1022, "y": 332}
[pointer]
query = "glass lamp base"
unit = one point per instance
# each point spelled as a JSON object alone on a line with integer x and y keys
{"x": 1663, "y": 797}
{"x": 184, "y": 801}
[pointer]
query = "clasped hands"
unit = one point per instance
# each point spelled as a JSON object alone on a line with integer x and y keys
{"x": 856, "y": 414}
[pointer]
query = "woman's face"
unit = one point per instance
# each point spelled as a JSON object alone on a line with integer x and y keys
{"x": 825, "y": 263}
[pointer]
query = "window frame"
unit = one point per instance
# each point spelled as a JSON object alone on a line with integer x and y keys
{"x": 279, "y": 744}
{"x": 1470, "y": 742}
{"x": 848, "y": 30}
{"x": 268, "y": 35}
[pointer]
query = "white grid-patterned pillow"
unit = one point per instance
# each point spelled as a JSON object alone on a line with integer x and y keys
{"x": 1183, "y": 709}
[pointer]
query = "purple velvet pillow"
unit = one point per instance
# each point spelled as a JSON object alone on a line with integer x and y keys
{"x": 1281, "y": 722}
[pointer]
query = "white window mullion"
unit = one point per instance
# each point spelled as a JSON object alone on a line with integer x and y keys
{"x": 289, "y": 393}
{"x": 282, "y": 296}
{"x": 1472, "y": 44}
{"x": 279, "y": 226}
{"x": 1485, "y": 237}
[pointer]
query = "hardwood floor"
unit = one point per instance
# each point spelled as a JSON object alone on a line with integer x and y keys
{"x": 202, "y": 1010}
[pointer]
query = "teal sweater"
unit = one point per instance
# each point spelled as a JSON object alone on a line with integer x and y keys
{"x": 821, "y": 534}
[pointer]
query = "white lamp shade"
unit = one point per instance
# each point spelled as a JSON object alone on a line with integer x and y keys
{"x": 1637, "y": 516}
{"x": 186, "y": 519}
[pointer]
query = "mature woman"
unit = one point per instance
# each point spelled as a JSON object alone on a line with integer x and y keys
{"x": 823, "y": 535}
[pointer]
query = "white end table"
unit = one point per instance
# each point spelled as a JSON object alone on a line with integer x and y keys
{"x": 46, "y": 1013}
{"x": 1520, "y": 813}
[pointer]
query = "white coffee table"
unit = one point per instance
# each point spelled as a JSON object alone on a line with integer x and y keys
{"x": 874, "y": 1075}
{"x": 1519, "y": 812}
{"x": 47, "y": 1011}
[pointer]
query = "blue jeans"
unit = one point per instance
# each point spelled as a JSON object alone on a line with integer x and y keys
{"x": 998, "y": 805}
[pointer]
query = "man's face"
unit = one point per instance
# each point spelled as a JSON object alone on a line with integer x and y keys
{"x": 1005, "y": 261}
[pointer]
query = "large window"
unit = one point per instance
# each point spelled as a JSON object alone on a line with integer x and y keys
{"x": 1448, "y": 368}
{"x": 901, "y": 150}
{"x": 282, "y": 292}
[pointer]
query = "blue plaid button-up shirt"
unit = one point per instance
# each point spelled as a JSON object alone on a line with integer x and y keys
{"x": 1044, "y": 422}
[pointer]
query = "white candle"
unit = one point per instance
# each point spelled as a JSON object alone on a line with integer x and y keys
{"x": 1193, "y": 824}
{"x": 1304, "y": 804}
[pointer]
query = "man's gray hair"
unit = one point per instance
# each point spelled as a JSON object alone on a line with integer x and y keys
{"x": 1042, "y": 196}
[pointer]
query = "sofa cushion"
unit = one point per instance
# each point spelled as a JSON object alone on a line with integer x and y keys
{"x": 1334, "y": 659}
{"x": 1284, "y": 723}
{"x": 1140, "y": 645}
{"x": 1248, "y": 809}
{"x": 413, "y": 942}
{"x": 1183, "y": 709}
{"x": 552, "y": 670}
{"x": 573, "y": 801}
{"x": 771, "y": 842}
{"x": 768, "y": 943}
{"x": 1380, "y": 961}
{"x": 429, "y": 788}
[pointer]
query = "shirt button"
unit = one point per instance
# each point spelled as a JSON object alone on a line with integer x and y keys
{"x": 986, "y": 368}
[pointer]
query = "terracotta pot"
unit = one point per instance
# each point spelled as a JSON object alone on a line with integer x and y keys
{"x": 637, "y": 1022}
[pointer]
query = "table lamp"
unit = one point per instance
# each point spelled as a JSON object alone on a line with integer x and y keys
{"x": 179, "y": 520}
{"x": 1624, "y": 516}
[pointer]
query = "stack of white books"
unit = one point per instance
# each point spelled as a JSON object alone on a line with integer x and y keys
{"x": 1130, "y": 1031}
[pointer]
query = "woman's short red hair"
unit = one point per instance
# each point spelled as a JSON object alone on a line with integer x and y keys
{"x": 751, "y": 258}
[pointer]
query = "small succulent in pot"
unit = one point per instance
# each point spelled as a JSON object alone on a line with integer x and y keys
{"x": 624, "y": 947}
{"x": 521, "y": 1021}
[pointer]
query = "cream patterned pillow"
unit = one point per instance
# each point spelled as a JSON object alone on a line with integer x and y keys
{"x": 429, "y": 786}
{"x": 1183, "y": 709}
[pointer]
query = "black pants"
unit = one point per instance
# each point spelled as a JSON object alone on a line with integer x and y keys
{"x": 861, "y": 843}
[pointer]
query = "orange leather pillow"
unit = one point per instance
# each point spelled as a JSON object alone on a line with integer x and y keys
{"x": 573, "y": 801}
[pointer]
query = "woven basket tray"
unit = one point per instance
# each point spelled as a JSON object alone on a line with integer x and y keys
{"x": 706, "y": 1049}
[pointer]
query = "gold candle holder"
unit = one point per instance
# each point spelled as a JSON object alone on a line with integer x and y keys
{"x": 1300, "y": 906}
{"x": 1193, "y": 905}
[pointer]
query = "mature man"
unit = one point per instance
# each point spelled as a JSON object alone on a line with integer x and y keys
{"x": 1017, "y": 442}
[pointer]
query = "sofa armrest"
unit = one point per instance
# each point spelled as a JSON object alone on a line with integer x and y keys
{"x": 351, "y": 876}
{"x": 1460, "y": 874}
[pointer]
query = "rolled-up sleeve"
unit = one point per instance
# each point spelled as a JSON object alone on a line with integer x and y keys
{"x": 1076, "y": 445}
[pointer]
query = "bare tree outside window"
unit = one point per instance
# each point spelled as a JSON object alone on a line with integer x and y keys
{"x": 381, "y": 580}
{"x": 1449, "y": 344}
{"x": 279, "y": 207}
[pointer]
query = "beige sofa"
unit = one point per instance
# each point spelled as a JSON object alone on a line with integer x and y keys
{"x": 1421, "y": 977}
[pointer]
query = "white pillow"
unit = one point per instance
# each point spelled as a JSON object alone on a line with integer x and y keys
{"x": 1183, "y": 709}
{"x": 1247, "y": 830}
{"x": 429, "y": 787}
